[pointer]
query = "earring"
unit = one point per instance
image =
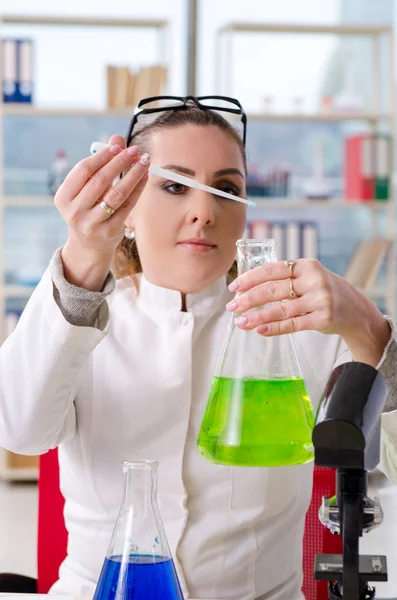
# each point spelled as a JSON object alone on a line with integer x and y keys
{"x": 129, "y": 233}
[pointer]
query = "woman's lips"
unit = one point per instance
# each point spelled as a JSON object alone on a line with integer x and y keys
{"x": 200, "y": 246}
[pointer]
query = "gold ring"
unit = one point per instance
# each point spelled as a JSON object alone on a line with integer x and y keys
{"x": 290, "y": 264}
{"x": 107, "y": 208}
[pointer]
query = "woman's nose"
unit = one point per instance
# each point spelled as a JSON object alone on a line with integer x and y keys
{"x": 202, "y": 207}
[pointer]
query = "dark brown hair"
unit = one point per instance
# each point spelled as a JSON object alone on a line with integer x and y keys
{"x": 127, "y": 261}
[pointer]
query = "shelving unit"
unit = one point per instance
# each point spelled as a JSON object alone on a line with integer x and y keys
{"x": 14, "y": 467}
{"x": 373, "y": 118}
{"x": 334, "y": 203}
{"x": 37, "y": 111}
{"x": 16, "y": 291}
{"x": 28, "y": 201}
{"x": 225, "y": 36}
{"x": 367, "y": 30}
{"x": 320, "y": 117}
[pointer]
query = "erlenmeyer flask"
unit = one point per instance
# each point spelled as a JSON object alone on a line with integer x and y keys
{"x": 138, "y": 565}
{"x": 259, "y": 413}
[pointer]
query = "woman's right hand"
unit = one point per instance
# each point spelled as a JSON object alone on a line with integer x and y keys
{"x": 94, "y": 234}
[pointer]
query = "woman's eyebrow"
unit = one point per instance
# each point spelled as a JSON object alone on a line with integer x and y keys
{"x": 186, "y": 171}
{"x": 180, "y": 169}
{"x": 230, "y": 171}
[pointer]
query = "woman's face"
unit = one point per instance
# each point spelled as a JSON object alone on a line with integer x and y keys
{"x": 186, "y": 237}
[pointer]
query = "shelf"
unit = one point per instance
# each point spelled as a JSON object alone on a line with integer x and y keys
{"x": 290, "y": 28}
{"x": 28, "y": 201}
{"x": 11, "y": 109}
{"x": 19, "y": 474}
{"x": 16, "y": 291}
{"x": 375, "y": 292}
{"x": 335, "y": 203}
{"x": 320, "y": 117}
{"x": 24, "y": 19}
{"x": 25, "y": 109}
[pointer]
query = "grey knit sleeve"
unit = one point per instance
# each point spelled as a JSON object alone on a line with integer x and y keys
{"x": 79, "y": 306}
{"x": 388, "y": 368}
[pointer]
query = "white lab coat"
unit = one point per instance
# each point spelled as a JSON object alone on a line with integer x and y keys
{"x": 138, "y": 389}
{"x": 388, "y": 462}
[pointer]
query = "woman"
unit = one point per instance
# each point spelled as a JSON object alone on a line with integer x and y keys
{"x": 118, "y": 374}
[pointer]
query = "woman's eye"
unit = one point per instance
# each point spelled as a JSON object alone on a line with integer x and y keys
{"x": 229, "y": 189}
{"x": 175, "y": 188}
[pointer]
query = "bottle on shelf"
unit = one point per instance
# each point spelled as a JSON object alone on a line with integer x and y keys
{"x": 348, "y": 99}
{"x": 57, "y": 171}
{"x": 317, "y": 187}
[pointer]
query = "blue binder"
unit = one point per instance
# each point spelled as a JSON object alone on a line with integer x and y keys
{"x": 17, "y": 77}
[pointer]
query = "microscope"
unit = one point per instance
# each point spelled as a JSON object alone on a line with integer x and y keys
{"x": 347, "y": 438}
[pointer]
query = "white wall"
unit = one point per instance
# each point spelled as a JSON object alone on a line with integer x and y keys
{"x": 71, "y": 62}
{"x": 66, "y": 77}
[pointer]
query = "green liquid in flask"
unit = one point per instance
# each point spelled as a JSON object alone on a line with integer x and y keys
{"x": 257, "y": 422}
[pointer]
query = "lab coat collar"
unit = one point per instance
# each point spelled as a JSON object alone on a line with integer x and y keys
{"x": 159, "y": 299}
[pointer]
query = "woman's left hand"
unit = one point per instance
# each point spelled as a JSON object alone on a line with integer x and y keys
{"x": 324, "y": 302}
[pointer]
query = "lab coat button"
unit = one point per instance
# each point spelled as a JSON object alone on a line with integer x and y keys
{"x": 184, "y": 322}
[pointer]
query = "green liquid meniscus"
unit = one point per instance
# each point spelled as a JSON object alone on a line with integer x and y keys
{"x": 258, "y": 423}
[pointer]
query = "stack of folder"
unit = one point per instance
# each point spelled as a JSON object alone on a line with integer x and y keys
{"x": 367, "y": 167}
{"x": 294, "y": 239}
{"x": 126, "y": 88}
{"x": 17, "y": 71}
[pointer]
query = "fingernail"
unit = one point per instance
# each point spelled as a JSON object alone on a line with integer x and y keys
{"x": 115, "y": 149}
{"x": 234, "y": 285}
{"x": 97, "y": 146}
{"x": 231, "y": 305}
{"x": 262, "y": 329}
{"x": 241, "y": 321}
{"x": 145, "y": 159}
{"x": 133, "y": 151}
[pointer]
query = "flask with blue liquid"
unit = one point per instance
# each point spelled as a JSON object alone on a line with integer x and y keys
{"x": 138, "y": 565}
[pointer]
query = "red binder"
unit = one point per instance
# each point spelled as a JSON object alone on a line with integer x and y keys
{"x": 359, "y": 177}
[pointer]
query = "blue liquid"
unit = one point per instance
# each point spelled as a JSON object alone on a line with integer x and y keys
{"x": 143, "y": 577}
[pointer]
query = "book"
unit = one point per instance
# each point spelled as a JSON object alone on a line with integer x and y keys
{"x": 309, "y": 240}
{"x": 277, "y": 232}
{"x": 366, "y": 262}
{"x": 260, "y": 230}
{"x": 131, "y": 89}
{"x": 143, "y": 87}
{"x": 159, "y": 78}
{"x": 122, "y": 84}
{"x": 293, "y": 240}
{"x": 380, "y": 251}
{"x": 111, "y": 73}
{"x": 25, "y": 74}
{"x": 383, "y": 152}
{"x": 357, "y": 267}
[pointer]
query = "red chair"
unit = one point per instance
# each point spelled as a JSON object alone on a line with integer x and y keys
{"x": 52, "y": 534}
{"x": 318, "y": 539}
{"x": 52, "y": 538}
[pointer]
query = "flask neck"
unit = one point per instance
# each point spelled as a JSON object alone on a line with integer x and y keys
{"x": 254, "y": 253}
{"x": 140, "y": 486}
